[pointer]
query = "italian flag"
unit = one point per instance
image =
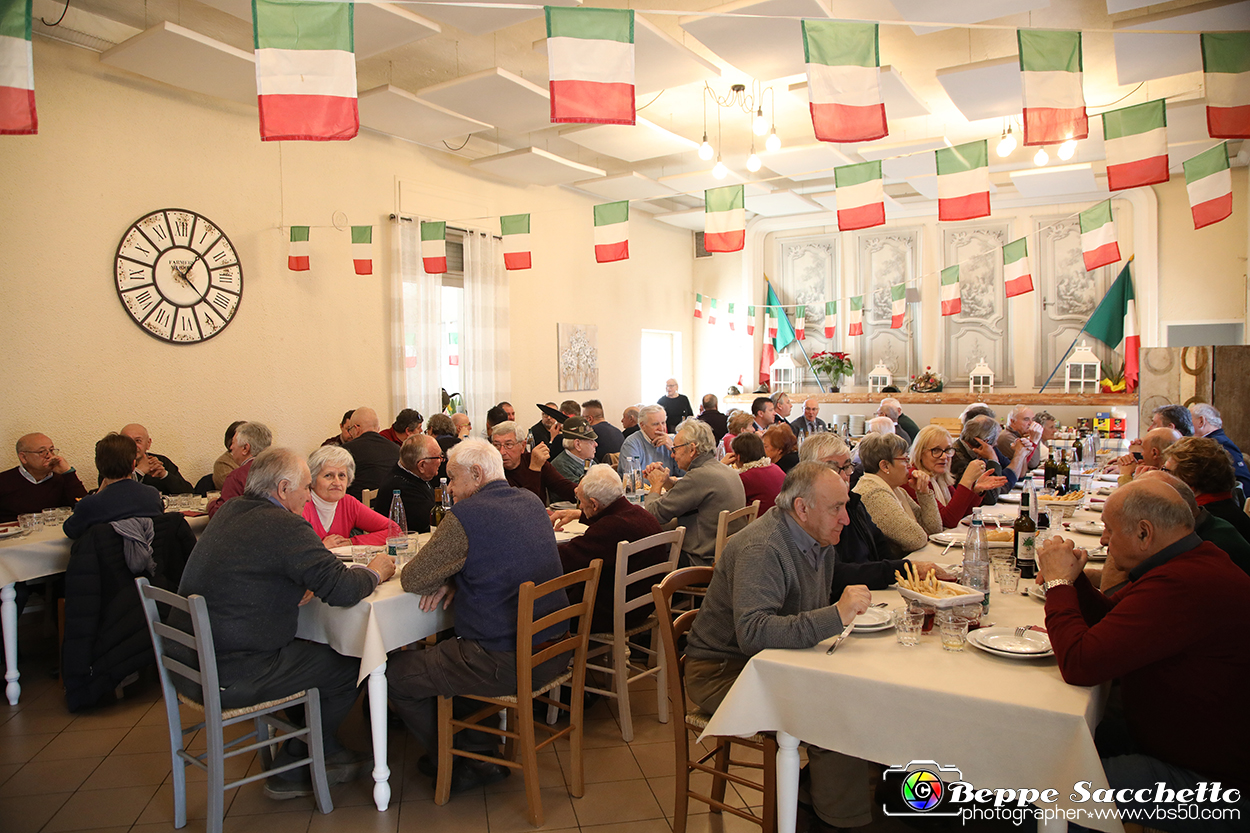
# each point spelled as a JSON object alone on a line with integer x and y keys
{"x": 856, "y": 327}
{"x": 711, "y": 312}
{"x": 831, "y": 318}
{"x": 612, "y": 231}
{"x": 861, "y": 196}
{"x": 1226, "y": 68}
{"x": 1210, "y": 185}
{"x": 732, "y": 322}
{"x": 951, "y": 304}
{"x": 698, "y": 305}
{"x": 590, "y": 56}
{"x": 1016, "y": 272}
{"x": 1114, "y": 323}
{"x": 305, "y": 70}
{"x": 434, "y": 247}
{"x": 844, "y": 80}
{"x": 297, "y": 258}
{"x": 17, "y": 70}
{"x": 453, "y": 349}
{"x": 800, "y": 323}
{"x": 1099, "y": 245}
{"x": 725, "y": 219}
{"x": 1136, "y": 139}
{"x": 770, "y": 321}
{"x": 1051, "y": 75}
{"x": 963, "y": 181}
{"x": 515, "y": 229}
{"x": 750, "y": 320}
{"x": 362, "y": 249}
{"x": 898, "y": 305}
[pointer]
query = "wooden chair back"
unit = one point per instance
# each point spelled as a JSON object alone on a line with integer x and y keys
{"x": 739, "y": 518}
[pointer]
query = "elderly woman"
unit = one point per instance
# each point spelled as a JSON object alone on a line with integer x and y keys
{"x": 907, "y": 523}
{"x": 781, "y": 446}
{"x": 761, "y": 477}
{"x": 978, "y": 441}
{"x": 225, "y": 464}
{"x": 740, "y": 422}
{"x": 931, "y": 453}
{"x": 337, "y": 517}
{"x": 1206, "y": 467}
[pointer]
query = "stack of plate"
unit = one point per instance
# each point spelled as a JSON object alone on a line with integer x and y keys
{"x": 1003, "y": 642}
{"x": 872, "y": 620}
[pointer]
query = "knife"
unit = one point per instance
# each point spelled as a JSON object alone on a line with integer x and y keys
{"x": 845, "y": 633}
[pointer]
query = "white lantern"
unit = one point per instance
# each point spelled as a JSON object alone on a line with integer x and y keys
{"x": 1082, "y": 371}
{"x": 784, "y": 374}
{"x": 981, "y": 378}
{"x": 880, "y": 378}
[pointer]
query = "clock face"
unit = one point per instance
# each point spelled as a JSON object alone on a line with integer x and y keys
{"x": 178, "y": 276}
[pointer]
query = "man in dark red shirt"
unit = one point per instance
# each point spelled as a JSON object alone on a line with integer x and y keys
{"x": 529, "y": 470}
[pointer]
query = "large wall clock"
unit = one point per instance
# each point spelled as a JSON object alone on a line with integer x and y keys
{"x": 178, "y": 276}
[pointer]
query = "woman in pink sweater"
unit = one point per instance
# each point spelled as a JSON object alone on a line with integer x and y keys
{"x": 761, "y": 478}
{"x": 337, "y": 517}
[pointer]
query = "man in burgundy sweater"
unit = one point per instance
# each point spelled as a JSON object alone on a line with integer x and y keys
{"x": 529, "y": 470}
{"x": 43, "y": 479}
{"x": 1171, "y": 637}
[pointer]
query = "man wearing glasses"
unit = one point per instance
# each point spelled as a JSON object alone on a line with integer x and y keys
{"x": 414, "y": 476}
{"x": 530, "y": 470}
{"x": 43, "y": 479}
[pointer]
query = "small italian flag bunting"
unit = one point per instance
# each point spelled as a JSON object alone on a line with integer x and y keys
{"x": 963, "y": 181}
{"x": 297, "y": 258}
{"x": 770, "y": 321}
{"x": 898, "y": 305}
{"x": 725, "y": 219}
{"x": 1210, "y": 185}
{"x": 410, "y": 349}
{"x": 844, "y": 80}
{"x": 750, "y": 320}
{"x": 860, "y": 196}
{"x": 800, "y": 323}
{"x": 711, "y": 311}
{"x": 733, "y": 324}
{"x": 434, "y": 247}
{"x": 515, "y": 229}
{"x": 698, "y": 305}
{"x": 1016, "y": 271}
{"x": 17, "y": 70}
{"x": 590, "y": 57}
{"x": 831, "y": 318}
{"x": 1136, "y": 139}
{"x": 362, "y": 249}
{"x": 951, "y": 303}
{"x": 1099, "y": 244}
{"x": 305, "y": 70}
{"x": 1051, "y": 76}
{"x": 612, "y": 231}
{"x": 453, "y": 350}
{"x": 856, "y": 327}
{"x": 1226, "y": 69}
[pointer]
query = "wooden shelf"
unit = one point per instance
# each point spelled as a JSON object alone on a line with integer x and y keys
{"x": 960, "y": 397}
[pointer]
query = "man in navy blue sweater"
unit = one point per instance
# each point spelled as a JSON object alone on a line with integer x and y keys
{"x": 120, "y": 495}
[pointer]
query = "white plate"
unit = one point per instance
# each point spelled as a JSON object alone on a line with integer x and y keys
{"x": 990, "y": 518}
{"x": 1109, "y": 478}
{"x": 1037, "y": 591}
{"x": 964, "y": 595}
{"x": 1088, "y": 527}
{"x": 1095, "y": 507}
{"x": 1005, "y": 643}
{"x": 1098, "y": 554}
{"x": 872, "y": 620}
{"x": 1009, "y": 497}
{"x": 11, "y": 532}
{"x": 957, "y": 538}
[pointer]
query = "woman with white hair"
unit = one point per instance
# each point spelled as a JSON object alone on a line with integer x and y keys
{"x": 906, "y": 522}
{"x": 931, "y": 453}
{"x": 337, "y": 517}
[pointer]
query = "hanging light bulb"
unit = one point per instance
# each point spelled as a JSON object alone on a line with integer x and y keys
{"x": 1007, "y": 144}
{"x": 720, "y": 171}
{"x": 705, "y": 149}
{"x": 753, "y": 161}
{"x": 1068, "y": 149}
{"x": 760, "y": 125}
{"x": 773, "y": 143}
{"x": 1041, "y": 158}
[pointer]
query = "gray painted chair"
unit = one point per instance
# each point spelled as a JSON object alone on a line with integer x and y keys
{"x": 199, "y": 638}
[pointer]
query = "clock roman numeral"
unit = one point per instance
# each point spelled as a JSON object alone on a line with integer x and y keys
{"x": 162, "y": 315}
{"x": 141, "y": 249}
{"x": 158, "y": 231}
{"x": 182, "y": 226}
{"x": 136, "y": 273}
{"x": 221, "y": 301}
{"x": 143, "y": 297}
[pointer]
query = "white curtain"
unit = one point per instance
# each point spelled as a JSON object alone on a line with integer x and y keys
{"x": 485, "y": 345}
{"x": 415, "y": 324}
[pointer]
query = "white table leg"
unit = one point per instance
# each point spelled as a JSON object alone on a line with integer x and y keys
{"x": 787, "y": 782}
{"x": 1057, "y": 825}
{"x": 8, "y": 623}
{"x": 377, "y": 725}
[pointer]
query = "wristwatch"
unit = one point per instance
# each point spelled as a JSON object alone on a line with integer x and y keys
{"x": 1055, "y": 582}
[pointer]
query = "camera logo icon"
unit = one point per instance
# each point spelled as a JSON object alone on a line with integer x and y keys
{"x": 920, "y": 788}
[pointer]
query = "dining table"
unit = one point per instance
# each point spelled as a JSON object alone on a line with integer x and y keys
{"x": 990, "y": 720}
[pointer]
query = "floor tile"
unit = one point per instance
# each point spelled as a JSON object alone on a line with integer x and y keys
{"x": 655, "y": 759}
{"x": 250, "y": 800}
{"x": 609, "y": 763}
{"x": 7, "y": 771}
{"x": 463, "y": 814}
{"x": 43, "y": 777}
{"x": 663, "y": 790}
{"x": 618, "y": 801}
{"x": 29, "y": 813}
{"x": 94, "y": 742}
{"x": 21, "y": 748}
{"x": 723, "y": 823}
{"x": 130, "y": 771}
{"x": 292, "y": 822}
{"x": 551, "y": 775}
{"x": 506, "y": 812}
{"x": 123, "y": 713}
{"x": 142, "y": 739}
{"x": 358, "y": 819}
{"x": 647, "y": 826}
{"x": 101, "y": 808}
{"x": 34, "y": 722}
{"x": 604, "y": 732}
{"x": 649, "y": 730}
{"x": 160, "y": 808}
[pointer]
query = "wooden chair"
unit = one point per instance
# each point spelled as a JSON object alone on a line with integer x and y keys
{"x": 622, "y": 670}
{"x": 671, "y": 633}
{"x": 520, "y": 741}
{"x": 367, "y": 496}
{"x": 951, "y": 424}
{"x": 614, "y": 459}
{"x": 727, "y": 518}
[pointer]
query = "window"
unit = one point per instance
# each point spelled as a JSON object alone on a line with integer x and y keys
{"x": 661, "y": 361}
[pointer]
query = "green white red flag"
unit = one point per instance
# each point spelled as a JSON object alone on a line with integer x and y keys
{"x": 725, "y": 219}
{"x": 1016, "y": 272}
{"x": 770, "y": 321}
{"x": 963, "y": 181}
{"x": 612, "y": 231}
{"x": 860, "y": 195}
{"x": 1051, "y": 76}
{"x": 1099, "y": 244}
{"x": 698, "y": 305}
{"x": 951, "y": 303}
{"x": 831, "y": 318}
{"x": 297, "y": 257}
{"x": 515, "y": 229}
{"x": 1209, "y": 182}
{"x": 844, "y": 80}
{"x": 898, "y": 305}
{"x": 453, "y": 348}
{"x": 1114, "y": 323}
{"x": 17, "y": 70}
{"x": 305, "y": 70}
{"x": 856, "y": 323}
{"x": 733, "y": 321}
{"x": 800, "y": 323}
{"x": 1136, "y": 139}
{"x": 750, "y": 320}
{"x": 590, "y": 55}
{"x": 434, "y": 247}
{"x": 362, "y": 249}
{"x": 711, "y": 312}
{"x": 1226, "y": 71}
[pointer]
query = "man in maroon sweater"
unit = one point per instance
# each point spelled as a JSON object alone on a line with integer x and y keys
{"x": 1171, "y": 637}
{"x": 43, "y": 479}
{"x": 529, "y": 470}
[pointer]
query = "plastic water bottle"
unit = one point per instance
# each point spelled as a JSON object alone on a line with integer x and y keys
{"x": 397, "y": 532}
{"x": 976, "y": 574}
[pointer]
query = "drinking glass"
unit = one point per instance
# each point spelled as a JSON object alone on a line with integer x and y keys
{"x": 48, "y": 517}
{"x": 30, "y": 521}
{"x": 954, "y": 630}
{"x": 907, "y": 624}
{"x": 362, "y": 554}
{"x": 1002, "y": 562}
{"x": 1009, "y": 581}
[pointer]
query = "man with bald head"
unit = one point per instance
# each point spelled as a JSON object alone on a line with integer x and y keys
{"x": 414, "y": 477}
{"x": 904, "y": 425}
{"x": 1207, "y": 526}
{"x": 676, "y": 406}
{"x": 374, "y": 454}
{"x": 42, "y": 479}
{"x": 1150, "y": 447}
{"x": 810, "y": 422}
{"x": 1181, "y": 723}
{"x": 155, "y": 470}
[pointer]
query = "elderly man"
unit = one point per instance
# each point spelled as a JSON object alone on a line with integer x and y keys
{"x": 978, "y": 440}
{"x": 120, "y": 495}
{"x": 249, "y": 440}
{"x": 464, "y": 428}
{"x": 548, "y": 426}
{"x": 42, "y": 479}
{"x": 508, "y": 410}
{"x": 1021, "y": 426}
{"x": 810, "y": 423}
{"x": 1205, "y": 467}
{"x": 651, "y": 444}
{"x": 676, "y": 406}
{"x": 407, "y": 424}
{"x": 715, "y": 420}
{"x": 782, "y": 407}
{"x": 493, "y": 540}
{"x": 764, "y": 413}
{"x": 610, "y": 519}
{"x": 1150, "y": 447}
{"x": 345, "y": 431}
{"x": 255, "y": 564}
{"x": 904, "y": 426}
{"x": 580, "y": 441}
{"x": 529, "y": 470}
{"x": 629, "y": 421}
{"x": 1180, "y": 727}
{"x": 1206, "y": 526}
{"x": 609, "y": 436}
{"x": 155, "y": 470}
{"x": 374, "y": 454}
{"x": 1208, "y": 423}
{"x": 697, "y": 499}
{"x": 1173, "y": 416}
{"x": 413, "y": 477}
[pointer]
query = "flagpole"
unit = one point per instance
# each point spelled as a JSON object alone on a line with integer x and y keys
{"x": 808, "y": 359}
{"x": 1079, "y": 334}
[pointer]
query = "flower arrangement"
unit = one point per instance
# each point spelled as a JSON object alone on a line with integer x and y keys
{"x": 927, "y": 382}
{"x": 1113, "y": 381}
{"x": 832, "y": 364}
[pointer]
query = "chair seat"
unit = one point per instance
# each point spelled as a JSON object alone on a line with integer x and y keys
{"x": 558, "y": 681}
{"x": 608, "y": 637}
{"x": 699, "y": 720}
{"x": 227, "y": 714}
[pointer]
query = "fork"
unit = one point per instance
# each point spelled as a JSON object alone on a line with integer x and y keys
{"x": 1022, "y": 630}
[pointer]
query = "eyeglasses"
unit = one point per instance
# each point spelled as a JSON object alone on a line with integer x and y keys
{"x": 903, "y": 460}
{"x": 42, "y": 452}
{"x": 942, "y": 452}
{"x": 681, "y": 445}
{"x": 438, "y": 459}
{"x": 507, "y": 446}
{"x": 840, "y": 467}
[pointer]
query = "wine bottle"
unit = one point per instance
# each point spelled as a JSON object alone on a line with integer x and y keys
{"x": 443, "y": 495}
{"x": 1024, "y": 540}
{"x": 1063, "y": 474}
{"x": 1048, "y": 471}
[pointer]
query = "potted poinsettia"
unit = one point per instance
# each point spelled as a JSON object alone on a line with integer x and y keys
{"x": 833, "y": 365}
